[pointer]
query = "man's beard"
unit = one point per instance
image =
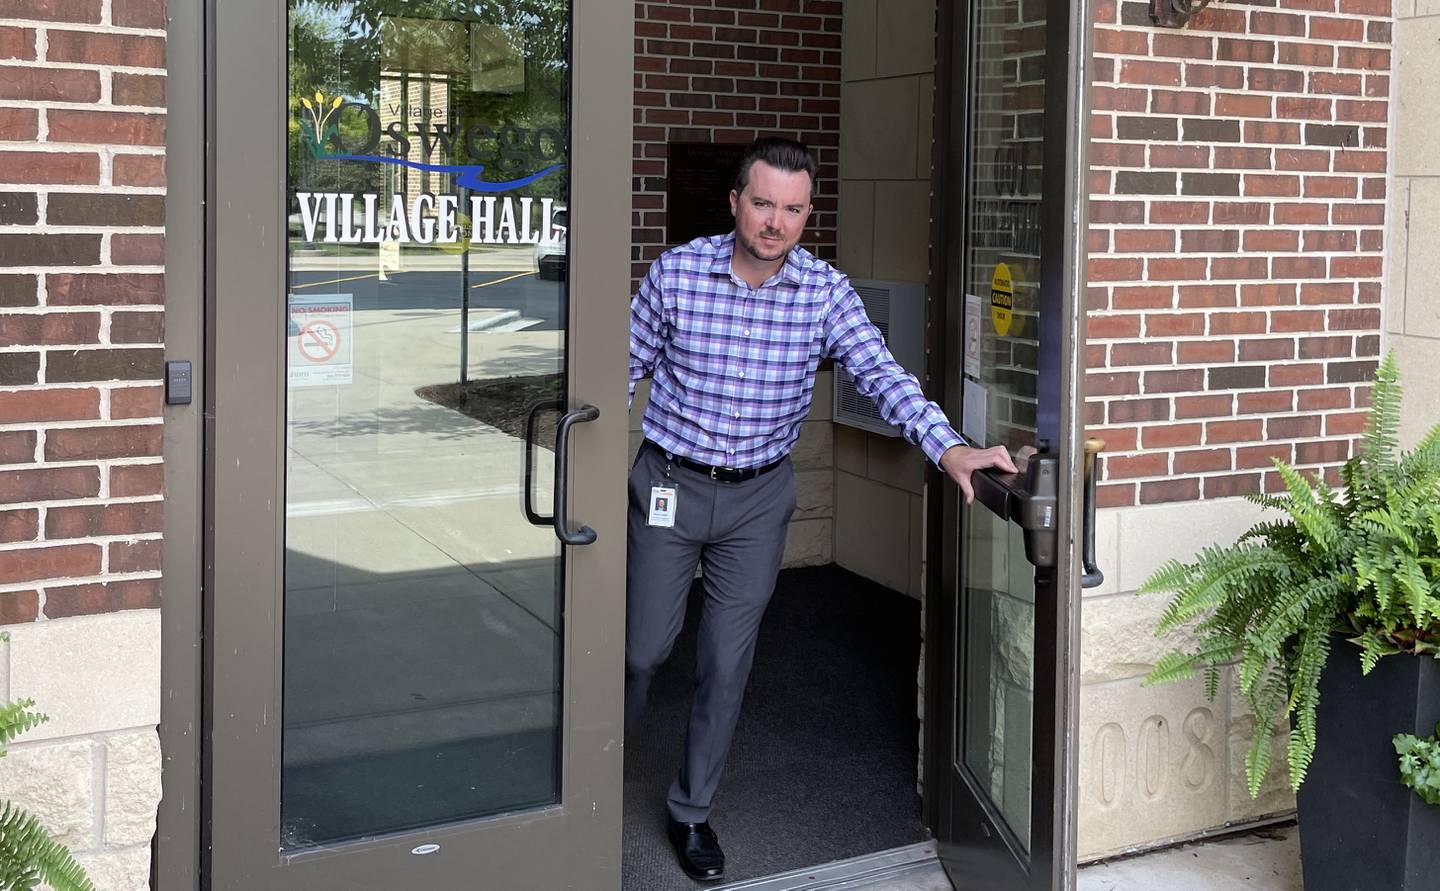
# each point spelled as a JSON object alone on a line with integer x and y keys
{"x": 753, "y": 249}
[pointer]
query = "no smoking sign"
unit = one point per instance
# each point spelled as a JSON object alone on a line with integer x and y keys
{"x": 319, "y": 339}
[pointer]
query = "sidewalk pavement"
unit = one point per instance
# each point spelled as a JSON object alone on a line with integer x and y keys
{"x": 487, "y": 258}
{"x": 1263, "y": 860}
{"x": 1267, "y": 859}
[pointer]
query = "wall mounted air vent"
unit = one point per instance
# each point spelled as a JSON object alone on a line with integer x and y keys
{"x": 898, "y": 310}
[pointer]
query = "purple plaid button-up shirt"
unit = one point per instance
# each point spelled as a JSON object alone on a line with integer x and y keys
{"x": 734, "y": 366}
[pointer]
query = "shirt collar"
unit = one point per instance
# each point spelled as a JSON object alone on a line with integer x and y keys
{"x": 790, "y": 271}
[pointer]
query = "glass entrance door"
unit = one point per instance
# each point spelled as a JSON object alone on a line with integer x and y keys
{"x": 1009, "y": 223}
{"x": 416, "y": 613}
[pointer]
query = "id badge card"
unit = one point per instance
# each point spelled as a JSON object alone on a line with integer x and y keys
{"x": 662, "y": 504}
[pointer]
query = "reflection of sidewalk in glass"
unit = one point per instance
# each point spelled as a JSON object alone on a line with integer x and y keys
{"x": 375, "y": 446}
{"x": 486, "y": 258}
{"x": 421, "y": 610}
{"x": 496, "y": 321}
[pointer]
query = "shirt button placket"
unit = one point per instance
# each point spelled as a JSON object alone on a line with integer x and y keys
{"x": 741, "y": 294}
{"x": 747, "y": 348}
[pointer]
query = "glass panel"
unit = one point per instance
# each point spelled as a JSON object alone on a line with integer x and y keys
{"x": 1000, "y": 653}
{"x": 1002, "y": 270}
{"x": 426, "y": 316}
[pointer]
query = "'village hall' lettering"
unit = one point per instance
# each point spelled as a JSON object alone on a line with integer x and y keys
{"x": 427, "y": 219}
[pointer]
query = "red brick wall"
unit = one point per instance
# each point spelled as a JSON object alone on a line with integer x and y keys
{"x": 729, "y": 71}
{"x": 82, "y": 131}
{"x": 1237, "y": 220}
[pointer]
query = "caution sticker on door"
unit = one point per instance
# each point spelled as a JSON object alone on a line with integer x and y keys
{"x": 318, "y": 332}
{"x": 1002, "y": 299}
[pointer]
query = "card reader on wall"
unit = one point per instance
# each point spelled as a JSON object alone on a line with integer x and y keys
{"x": 177, "y": 382}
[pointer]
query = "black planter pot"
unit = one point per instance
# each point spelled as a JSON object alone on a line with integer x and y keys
{"x": 1361, "y": 829}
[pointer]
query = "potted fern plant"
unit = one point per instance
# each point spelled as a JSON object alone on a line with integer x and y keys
{"x": 27, "y": 854}
{"x": 1330, "y": 615}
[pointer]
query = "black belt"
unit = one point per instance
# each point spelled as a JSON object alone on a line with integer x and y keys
{"x": 723, "y": 474}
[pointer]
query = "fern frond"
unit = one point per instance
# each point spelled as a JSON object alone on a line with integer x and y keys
{"x": 1372, "y": 648}
{"x": 1273, "y": 502}
{"x": 1425, "y": 456}
{"x": 15, "y": 719}
{"x": 1172, "y": 667}
{"x": 1214, "y": 577}
{"x": 1382, "y": 428}
{"x": 27, "y": 851}
{"x": 1212, "y": 682}
{"x": 1266, "y": 707}
{"x": 1410, "y": 577}
{"x": 1171, "y": 576}
{"x": 1310, "y": 658}
{"x": 1302, "y": 493}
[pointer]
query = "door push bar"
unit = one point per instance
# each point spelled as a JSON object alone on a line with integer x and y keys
{"x": 1027, "y": 499}
{"x": 560, "y": 519}
{"x": 1030, "y": 498}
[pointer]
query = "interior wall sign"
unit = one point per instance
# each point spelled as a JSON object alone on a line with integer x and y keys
{"x": 1002, "y": 299}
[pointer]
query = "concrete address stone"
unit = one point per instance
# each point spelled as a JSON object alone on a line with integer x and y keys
{"x": 1152, "y": 763}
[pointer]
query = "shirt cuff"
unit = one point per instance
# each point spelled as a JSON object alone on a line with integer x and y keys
{"x": 937, "y": 440}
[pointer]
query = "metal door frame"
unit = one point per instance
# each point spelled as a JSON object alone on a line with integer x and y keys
{"x": 1057, "y": 629}
{"x": 176, "y": 855}
{"x": 226, "y": 118}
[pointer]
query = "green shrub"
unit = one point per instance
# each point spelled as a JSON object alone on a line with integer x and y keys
{"x": 1364, "y": 563}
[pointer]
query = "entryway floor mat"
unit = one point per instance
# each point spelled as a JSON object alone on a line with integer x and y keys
{"x": 823, "y": 766}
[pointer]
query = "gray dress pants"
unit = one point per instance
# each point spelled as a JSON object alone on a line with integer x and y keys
{"x": 736, "y": 531}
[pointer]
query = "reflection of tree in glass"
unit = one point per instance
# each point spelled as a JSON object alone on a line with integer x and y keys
{"x": 512, "y": 124}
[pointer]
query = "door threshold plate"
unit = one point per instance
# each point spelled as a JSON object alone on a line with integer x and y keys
{"x": 855, "y": 873}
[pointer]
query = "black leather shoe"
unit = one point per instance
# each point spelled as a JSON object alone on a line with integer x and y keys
{"x": 698, "y": 850}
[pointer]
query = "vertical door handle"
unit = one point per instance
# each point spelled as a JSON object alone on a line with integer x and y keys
{"x": 584, "y": 535}
{"x": 1092, "y": 577}
{"x": 528, "y": 500}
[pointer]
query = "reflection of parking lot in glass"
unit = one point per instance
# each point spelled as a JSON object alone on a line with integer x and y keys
{"x": 418, "y": 288}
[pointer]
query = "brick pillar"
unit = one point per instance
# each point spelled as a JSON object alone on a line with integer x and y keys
{"x": 82, "y": 134}
{"x": 1238, "y": 177}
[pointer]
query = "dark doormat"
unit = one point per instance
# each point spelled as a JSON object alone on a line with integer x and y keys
{"x": 823, "y": 766}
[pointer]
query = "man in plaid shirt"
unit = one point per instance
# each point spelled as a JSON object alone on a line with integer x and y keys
{"x": 731, "y": 329}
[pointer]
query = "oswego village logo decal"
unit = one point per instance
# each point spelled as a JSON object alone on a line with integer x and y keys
{"x": 428, "y": 218}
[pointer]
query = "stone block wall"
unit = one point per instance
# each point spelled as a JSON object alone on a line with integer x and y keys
{"x": 82, "y": 134}
{"x": 1412, "y": 303}
{"x": 886, "y": 112}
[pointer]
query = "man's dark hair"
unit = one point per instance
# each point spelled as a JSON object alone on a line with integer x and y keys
{"x": 783, "y": 154}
